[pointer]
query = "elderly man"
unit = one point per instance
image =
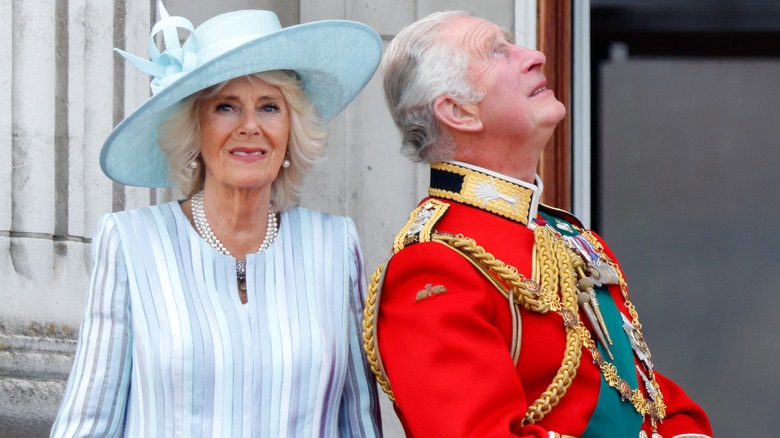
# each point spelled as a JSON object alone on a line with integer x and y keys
{"x": 497, "y": 316}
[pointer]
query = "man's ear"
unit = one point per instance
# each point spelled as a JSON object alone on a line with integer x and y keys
{"x": 460, "y": 117}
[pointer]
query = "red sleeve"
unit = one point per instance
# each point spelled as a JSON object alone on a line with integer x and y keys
{"x": 683, "y": 415}
{"x": 448, "y": 363}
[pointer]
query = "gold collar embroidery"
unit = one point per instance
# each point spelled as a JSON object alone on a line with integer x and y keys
{"x": 486, "y": 192}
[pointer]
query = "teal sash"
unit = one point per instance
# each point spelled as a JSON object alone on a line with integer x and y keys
{"x": 612, "y": 417}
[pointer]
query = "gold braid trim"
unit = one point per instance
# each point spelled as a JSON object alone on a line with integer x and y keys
{"x": 370, "y": 344}
{"x": 420, "y": 224}
{"x": 553, "y": 269}
{"x": 487, "y": 193}
{"x": 488, "y": 264}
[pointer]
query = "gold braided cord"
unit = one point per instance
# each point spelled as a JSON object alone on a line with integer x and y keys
{"x": 551, "y": 258}
{"x": 655, "y": 408}
{"x": 643, "y": 406}
{"x": 369, "y": 341}
{"x": 482, "y": 259}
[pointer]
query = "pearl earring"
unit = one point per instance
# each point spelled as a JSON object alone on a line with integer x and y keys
{"x": 193, "y": 164}
{"x": 286, "y": 163}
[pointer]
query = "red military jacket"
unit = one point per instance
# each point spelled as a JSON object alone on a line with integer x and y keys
{"x": 444, "y": 331}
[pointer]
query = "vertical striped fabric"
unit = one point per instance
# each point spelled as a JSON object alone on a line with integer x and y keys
{"x": 167, "y": 349}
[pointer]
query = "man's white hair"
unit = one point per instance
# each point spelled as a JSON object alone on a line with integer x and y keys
{"x": 418, "y": 68}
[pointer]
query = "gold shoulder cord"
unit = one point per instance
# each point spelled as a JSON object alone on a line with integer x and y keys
{"x": 553, "y": 269}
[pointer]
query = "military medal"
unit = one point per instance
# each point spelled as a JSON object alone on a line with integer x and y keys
{"x": 651, "y": 391}
{"x": 583, "y": 299}
{"x": 586, "y": 285}
{"x": 601, "y": 271}
{"x": 583, "y": 248}
{"x": 638, "y": 343}
{"x": 606, "y": 273}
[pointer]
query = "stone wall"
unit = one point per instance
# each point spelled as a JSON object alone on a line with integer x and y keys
{"x": 64, "y": 90}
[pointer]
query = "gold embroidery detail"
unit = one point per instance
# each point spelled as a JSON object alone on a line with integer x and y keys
{"x": 487, "y": 193}
{"x": 430, "y": 291}
{"x": 421, "y": 222}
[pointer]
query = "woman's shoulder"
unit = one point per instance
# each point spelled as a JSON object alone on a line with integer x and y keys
{"x": 168, "y": 208}
{"x": 141, "y": 217}
{"x": 313, "y": 219}
{"x": 309, "y": 215}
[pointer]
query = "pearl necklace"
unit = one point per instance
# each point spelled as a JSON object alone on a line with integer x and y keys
{"x": 205, "y": 231}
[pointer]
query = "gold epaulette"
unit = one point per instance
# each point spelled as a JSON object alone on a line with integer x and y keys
{"x": 420, "y": 224}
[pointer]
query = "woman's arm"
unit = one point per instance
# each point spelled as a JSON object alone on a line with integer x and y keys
{"x": 359, "y": 412}
{"x": 96, "y": 394}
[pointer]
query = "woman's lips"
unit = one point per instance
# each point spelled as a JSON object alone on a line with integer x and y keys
{"x": 247, "y": 154}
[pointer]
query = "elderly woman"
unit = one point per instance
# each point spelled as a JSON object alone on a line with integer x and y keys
{"x": 230, "y": 313}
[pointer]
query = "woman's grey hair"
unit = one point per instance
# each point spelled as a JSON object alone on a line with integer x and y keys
{"x": 418, "y": 68}
{"x": 179, "y": 138}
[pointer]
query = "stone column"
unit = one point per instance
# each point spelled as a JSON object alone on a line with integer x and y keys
{"x": 60, "y": 82}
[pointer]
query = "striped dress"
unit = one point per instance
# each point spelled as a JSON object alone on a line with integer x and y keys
{"x": 166, "y": 347}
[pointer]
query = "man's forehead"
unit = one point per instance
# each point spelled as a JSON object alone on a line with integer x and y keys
{"x": 508, "y": 35}
{"x": 502, "y": 32}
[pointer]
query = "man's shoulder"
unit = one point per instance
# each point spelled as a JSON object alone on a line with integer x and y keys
{"x": 560, "y": 214}
{"x": 436, "y": 218}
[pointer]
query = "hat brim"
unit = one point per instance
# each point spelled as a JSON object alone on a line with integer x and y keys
{"x": 334, "y": 58}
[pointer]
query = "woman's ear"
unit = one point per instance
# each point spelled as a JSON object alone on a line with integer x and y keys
{"x": 458, "y": 116}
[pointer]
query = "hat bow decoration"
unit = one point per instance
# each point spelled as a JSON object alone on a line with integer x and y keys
{"x": 176, "y": 60}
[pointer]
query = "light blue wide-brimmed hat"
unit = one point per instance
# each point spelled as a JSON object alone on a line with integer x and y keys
{"x": 335, "y": 59}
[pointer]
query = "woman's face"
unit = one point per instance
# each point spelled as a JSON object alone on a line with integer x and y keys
{"x": 244, "y": 133}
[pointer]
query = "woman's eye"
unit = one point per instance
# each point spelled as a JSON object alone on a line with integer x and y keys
{"x": 224, "y": 107}
{"x": 499, "y": 52}
{"x": 269, "y": 108}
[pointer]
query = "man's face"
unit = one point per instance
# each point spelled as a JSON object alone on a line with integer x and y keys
{"x": 517, "y": 102}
